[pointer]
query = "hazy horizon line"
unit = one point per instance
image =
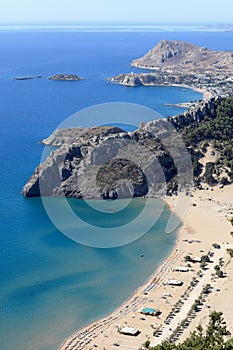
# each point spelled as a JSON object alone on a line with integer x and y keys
{"x": 114, "y": 27}
{"x": 188, "y": 23}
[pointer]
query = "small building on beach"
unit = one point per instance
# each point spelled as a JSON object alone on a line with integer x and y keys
{"x": 130, "y": 331}
{"x": 150, "y": 311}
{"x": 181, "y": 269}
{"x": 175, "y": 283}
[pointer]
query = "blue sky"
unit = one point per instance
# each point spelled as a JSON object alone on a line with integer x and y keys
{"x": 146, "y": 11}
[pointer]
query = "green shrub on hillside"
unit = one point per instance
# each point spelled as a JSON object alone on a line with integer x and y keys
{"x": 217, "y": 130}
{"x": 213, "y": 338}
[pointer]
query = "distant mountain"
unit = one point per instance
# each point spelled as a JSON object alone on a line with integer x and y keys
{"x": 180, "y": 56}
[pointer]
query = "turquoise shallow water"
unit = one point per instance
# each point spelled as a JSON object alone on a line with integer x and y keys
{"x": 53, "y": 286}
{"x": 49, "y": 285}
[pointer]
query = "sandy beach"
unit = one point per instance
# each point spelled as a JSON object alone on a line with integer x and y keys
{"x": 206, "y": 93}
{"x": 206, "y": 222}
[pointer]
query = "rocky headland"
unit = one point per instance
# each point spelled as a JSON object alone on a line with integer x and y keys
{"x": 181, "y": 56}
{"x": 181, "y": 63}
{"x": 161, "y": 157}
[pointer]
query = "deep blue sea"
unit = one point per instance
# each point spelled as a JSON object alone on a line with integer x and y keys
{"x": 50, "y": 285}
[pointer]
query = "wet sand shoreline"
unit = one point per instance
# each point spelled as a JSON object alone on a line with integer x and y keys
{"x": 207, "y": 216}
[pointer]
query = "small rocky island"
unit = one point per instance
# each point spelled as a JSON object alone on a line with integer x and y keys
{"x": 107, "y": 162}
{"x": 29, "y": 77}
{"x": 181, "y": 63}
{"x": 66, "y": 77}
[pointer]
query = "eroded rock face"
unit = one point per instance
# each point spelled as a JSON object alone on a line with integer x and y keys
{"x": 120, "y": 178}
{"x": 205, "y": 110}
{"x": 150, "y": 79}
{"x": 109, "y": 163}
{"x": 72, "y": 135}
{"x": 128, "y": 79}
{"x": 102, "y": 162}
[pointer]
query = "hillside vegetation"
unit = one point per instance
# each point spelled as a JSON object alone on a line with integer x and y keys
{"x": 216, "y": 129}
{"x": 213, "y": 338}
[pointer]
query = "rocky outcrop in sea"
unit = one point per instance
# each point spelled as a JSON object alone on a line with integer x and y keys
{"x": 65, "y": 77}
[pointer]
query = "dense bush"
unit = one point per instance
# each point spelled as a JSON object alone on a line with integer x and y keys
{"x": 213, "y": 338}
{"x": 208, "y": 175}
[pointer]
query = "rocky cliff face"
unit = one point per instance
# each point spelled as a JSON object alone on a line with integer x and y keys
{"x": 150, "y": 79}
{"x": 107, "y": 162}
{"x": 205, "y": 110}
{"x": 119, "y": 165}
